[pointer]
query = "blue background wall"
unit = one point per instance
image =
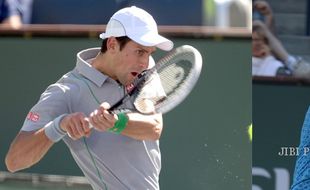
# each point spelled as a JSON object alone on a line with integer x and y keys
{"x": 165, "y": 12}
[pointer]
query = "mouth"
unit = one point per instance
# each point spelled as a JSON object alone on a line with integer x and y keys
{"x": 134, "y": 74}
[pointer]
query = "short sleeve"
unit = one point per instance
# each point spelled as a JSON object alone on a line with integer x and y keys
{"x": 52, "y": 103}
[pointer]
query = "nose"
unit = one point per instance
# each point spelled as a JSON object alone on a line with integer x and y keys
{"x": 144, "y": 62}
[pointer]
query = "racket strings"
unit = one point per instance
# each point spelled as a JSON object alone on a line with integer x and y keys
{"x": 169, "y": 82}
{"x": 172, "y": 73}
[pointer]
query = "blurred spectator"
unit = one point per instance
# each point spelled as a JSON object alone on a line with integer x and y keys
{"x": 123, "y": 3}
{"x": 263, "y": 16}
{"x": 227, "y": 13}
{"x": 262, "y": 11}
{"x": 263, "y": 61}
{"x": 15, "y": 13}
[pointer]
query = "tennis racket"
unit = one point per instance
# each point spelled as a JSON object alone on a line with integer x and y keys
{"x": 164, "y": 86}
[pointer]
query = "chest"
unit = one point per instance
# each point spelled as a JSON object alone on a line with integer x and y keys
{"x": 90, "y": 96}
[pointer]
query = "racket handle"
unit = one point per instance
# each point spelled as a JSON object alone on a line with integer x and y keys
{"x": 120, "y": 102}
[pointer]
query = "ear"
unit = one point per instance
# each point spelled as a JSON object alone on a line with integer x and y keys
{"x": 112, "y": 44}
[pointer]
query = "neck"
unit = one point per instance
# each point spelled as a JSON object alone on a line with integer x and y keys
{"x": 103, "y": 64}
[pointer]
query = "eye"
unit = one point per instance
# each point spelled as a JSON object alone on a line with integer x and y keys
{"x": 140, "y": 52}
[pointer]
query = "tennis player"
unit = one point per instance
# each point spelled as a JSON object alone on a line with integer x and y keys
{"x": 122, "y": 151}
{"x": 301, "y": 178}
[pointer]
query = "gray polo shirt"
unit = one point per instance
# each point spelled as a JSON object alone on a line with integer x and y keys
{"x": 109, "y": 161}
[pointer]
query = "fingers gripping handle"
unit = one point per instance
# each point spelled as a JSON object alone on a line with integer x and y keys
{"x": 119, "y": 125}
{"x": 89, "y": 124}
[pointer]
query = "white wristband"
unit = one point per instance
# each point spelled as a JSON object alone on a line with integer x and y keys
{"x": 53, "y": 130}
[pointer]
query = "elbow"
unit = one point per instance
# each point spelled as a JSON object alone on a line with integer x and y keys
{"x": 156, "y": 133}
{"x": 10, "y": 164}
{"x": 157, "y": 130}
{"x": 13, "y": 164}
{"x": 155, "y": 136}
{"x": 152, "y": 134}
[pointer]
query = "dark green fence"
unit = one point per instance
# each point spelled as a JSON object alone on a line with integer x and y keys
{"x": 278, "y": 114}
{"x": 204, "y": 143}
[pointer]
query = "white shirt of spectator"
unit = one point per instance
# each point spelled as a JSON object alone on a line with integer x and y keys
{"x": 267, "y": 66}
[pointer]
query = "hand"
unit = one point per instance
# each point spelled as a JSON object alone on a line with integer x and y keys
{"x": 268, "y": 34}
{"x": 101, "y": 118}
{"x": 263, "y": 7}
{"x": 75, "y": 125}
{"x": 262, "y": 51}
{"x": 13, "y": 22}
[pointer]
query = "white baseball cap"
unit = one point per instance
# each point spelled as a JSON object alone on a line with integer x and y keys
{"x": 138, "y": 25}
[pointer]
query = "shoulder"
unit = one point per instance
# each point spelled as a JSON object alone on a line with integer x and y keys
{"x": 65, "y": 86}
{"x": 271, "y": 58}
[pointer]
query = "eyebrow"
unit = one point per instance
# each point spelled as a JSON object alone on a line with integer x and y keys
{"x": 147, "y": 51}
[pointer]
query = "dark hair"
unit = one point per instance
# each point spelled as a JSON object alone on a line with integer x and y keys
{"x": 121, "y": 40}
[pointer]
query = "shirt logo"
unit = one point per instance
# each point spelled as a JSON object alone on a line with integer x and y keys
{"x": 33, "y": 116}
{"x": 129, "y": 87}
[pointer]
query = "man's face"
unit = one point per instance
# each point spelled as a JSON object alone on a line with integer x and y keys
{"x": 131, "y": 61}
{"x": 259, "y": 47}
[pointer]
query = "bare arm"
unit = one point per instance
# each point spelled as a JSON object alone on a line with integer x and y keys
{"x": 13, "y": 22}
{"x": 139, "y": 127}
{"x": 144, "y": 127}
{"x": 27, "y": 149}
{"x": 275, "y": 45}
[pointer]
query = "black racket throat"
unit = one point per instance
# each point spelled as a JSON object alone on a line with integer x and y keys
{"x": 138, "y": 84}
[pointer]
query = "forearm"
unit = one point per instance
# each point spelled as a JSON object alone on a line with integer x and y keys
{"x": 277, "y": 48}
{"x": 134, "y": 125}
{"x": 275, "y": 45}
{"x": 27, "y": 149}
{"x": 270, "y": 23}
{"x": 143, "y": 127}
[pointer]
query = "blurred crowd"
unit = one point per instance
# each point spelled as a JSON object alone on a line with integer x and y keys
{"x": 220, "y": 13}
{"x": 15, "y": 13}
{"x": 269, "y": 56}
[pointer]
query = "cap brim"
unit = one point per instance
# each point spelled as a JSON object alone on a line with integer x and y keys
{"x": 151, "y": 39}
